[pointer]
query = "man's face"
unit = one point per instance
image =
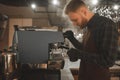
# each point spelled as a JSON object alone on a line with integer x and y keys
{"x": 78, "y": 19}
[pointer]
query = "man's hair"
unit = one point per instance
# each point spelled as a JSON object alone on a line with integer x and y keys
{"x": 73, "y": 5}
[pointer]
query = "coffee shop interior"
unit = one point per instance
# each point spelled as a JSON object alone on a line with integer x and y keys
{"x": 32, "y": 45}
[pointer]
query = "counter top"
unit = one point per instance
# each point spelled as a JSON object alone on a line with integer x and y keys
{"x": 46, "y": 75}
{"x": 66, "y": 74}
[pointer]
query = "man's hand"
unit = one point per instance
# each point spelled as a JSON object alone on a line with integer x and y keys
{"x": 73, "y": 54}
{"x": 68, "y": 34}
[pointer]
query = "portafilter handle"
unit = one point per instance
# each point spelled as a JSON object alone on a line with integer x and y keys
{"x": 65, "y": 47}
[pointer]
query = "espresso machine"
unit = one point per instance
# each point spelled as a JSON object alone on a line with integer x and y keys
{"x": 38, "y": 54}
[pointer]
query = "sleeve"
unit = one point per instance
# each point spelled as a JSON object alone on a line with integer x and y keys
{"x": 107, "y": 50}
{"x": 76, "y": 43}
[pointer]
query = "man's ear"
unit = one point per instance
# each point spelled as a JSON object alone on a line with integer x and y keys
{"x": 82, "y": 11}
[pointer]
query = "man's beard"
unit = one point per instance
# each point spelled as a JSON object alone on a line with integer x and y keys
{"x": 83, "y": 24}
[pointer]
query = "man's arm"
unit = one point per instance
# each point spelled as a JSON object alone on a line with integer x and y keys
{"x": 73, "y": 40}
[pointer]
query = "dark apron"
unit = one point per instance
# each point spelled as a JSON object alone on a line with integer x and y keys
{"x": 91, "y": 71}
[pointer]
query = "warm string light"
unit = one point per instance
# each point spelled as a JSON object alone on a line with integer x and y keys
{"x": 94, "y": 2}
{"x": 108, "y": 11}
{"x": 33, "y": 5}
{"x": 55, "y": 2}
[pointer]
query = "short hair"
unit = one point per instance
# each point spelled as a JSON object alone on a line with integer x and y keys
{"x": 73, "y": 5}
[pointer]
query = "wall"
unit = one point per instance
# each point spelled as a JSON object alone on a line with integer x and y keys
{"x": 41, "y": 22}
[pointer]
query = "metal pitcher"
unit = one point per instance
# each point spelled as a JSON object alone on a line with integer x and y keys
{"x": 8, "y": 62}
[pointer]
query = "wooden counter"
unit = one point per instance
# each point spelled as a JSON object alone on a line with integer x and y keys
{"x": 65, "y": 74}
{"x": 115, "y": 71}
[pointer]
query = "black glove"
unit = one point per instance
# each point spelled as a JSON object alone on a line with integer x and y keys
{"x": 73, "y": 54}
{"x": 68, "y": 34}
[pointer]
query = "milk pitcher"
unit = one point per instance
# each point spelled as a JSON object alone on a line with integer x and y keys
{"x": 8, "y": 62}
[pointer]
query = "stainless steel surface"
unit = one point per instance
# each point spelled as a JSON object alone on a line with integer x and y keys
{"x": 8, "y": 62}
